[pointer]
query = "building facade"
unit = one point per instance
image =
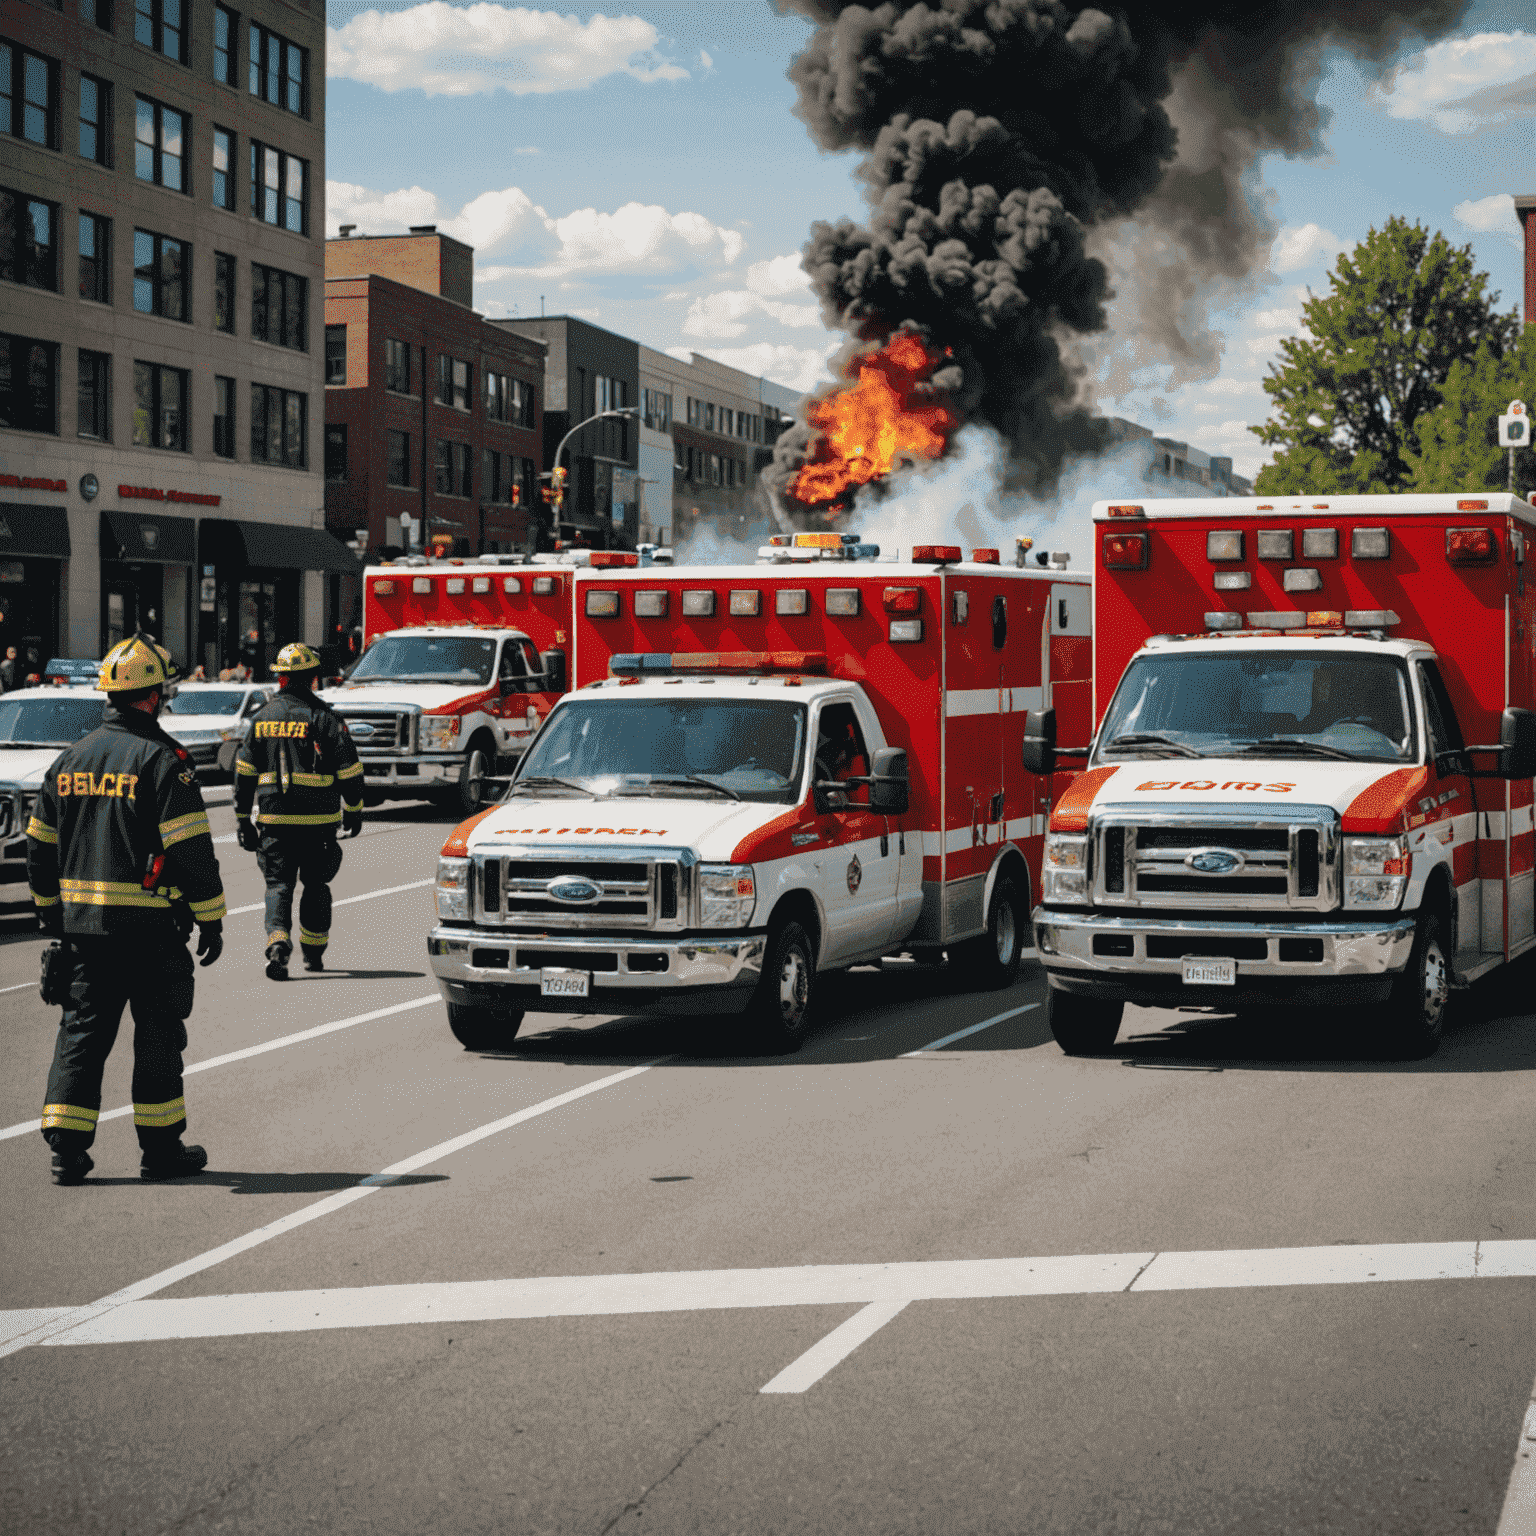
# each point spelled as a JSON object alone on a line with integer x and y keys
{"x": 1175, "y": 468}
{"x": 434, "y": 418}
{"x": 162, "y": 179}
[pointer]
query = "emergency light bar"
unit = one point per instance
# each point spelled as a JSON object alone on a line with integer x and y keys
{"x": 1470, "y": 546}
{"x": 635, "y": 663}
{"x": 601, "y": 559}
{"x": 936, "y": 554}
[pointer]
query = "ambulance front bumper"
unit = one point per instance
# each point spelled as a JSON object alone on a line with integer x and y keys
{"x": 406, "y": 775}
{"x": 1141, "y": 959}
{"x": 627, "y": 975}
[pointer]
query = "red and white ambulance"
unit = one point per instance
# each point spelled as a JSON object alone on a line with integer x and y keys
{"x": 464, "y": 658}
{"x": 1311, "y": 779}
{"x": 766, "y": 773}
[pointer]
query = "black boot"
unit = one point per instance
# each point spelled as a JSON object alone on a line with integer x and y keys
{"x": 314, "y": 958}
{"x": 71, "y": 1167}
{"x": 175, "y": 1161}
{"x": 277, "y": 961}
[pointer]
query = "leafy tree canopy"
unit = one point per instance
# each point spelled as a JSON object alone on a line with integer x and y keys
{"x": 1459, "y": 440}
{"x": 1402, "y": 309}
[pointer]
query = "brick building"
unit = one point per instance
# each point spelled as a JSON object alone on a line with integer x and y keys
{"x": 433, "y": 417}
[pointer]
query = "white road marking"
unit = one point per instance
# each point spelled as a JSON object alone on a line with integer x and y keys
{"x": 59, "y": 1329}
{"x": 249, "y": 1051}
{"x": 21, "y": 986}
{"x": 137, "y": 1320}
{"x": 960, "y": 1034}
{"x": 1519, "y": 1514}
{"x": 803, "y": 1374}
{"x": 346, "y": 901}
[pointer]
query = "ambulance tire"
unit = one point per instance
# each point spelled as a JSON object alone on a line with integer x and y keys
{"x": 991, "y": 960}
{"x": 471, "y": 793}
{"x": 1412, "y": 1020}
{"x": 1082, "y": 1026}
{"x": 483, "y": 1029}
{"x": 779, "y": 1014}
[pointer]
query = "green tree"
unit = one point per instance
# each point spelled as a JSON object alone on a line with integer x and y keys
{"x": 1459, "y": 440}
{"x": 1402, "y": 309}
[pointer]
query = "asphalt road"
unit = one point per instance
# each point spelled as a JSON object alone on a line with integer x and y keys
{"x": 1233, "y": 1278}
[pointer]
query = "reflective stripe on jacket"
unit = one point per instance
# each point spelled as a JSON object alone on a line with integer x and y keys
{"x": 297, "y": 765}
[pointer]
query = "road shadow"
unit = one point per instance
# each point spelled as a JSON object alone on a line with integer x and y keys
{"x": 270, "y": 1183}
{"x": 18, "y": 922}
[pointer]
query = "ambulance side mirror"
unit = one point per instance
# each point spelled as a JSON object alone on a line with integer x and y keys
{"x": 554, "y": 671}
{"x": 889, "y": 789}
{"x": 1517, "y": 744}
{"x": 1040, "y": 741}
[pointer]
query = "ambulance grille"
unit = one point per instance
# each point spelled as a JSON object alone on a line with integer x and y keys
{"x": 375, "y": 731}
{"x": 11, "y": 823}
{"x": 641, "y": 893}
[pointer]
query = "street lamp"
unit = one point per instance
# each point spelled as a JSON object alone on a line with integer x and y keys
{"x": 621, "y": 412}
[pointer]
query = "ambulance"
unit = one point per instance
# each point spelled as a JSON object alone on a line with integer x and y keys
{"x": 463, "y": 659}
{"x": 765, "y": 773}
{"x": 1310, "y": 781}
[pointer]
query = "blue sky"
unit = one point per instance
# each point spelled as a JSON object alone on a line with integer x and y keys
{"x": 645, "y": 169}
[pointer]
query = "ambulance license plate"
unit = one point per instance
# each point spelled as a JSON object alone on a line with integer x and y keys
{"x": 1203, "y": 972}
{"x": 565, "y": 983}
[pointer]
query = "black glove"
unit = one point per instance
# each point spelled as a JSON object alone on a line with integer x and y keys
{"x": 248, "y": 833}
{"x": 210, "y": 942}
{"x": 51, "y": 920}
{"x": 351, "y": 823}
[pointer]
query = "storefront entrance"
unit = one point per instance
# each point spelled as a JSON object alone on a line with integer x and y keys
{"x": 34, "y": 544}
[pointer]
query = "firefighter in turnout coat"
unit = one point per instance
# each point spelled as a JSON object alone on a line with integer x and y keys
{"x": 299, "y": 766}
{"x": 120, "y": 862}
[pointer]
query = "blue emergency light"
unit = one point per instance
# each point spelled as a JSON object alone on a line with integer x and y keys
{"x": 633, "y": 663}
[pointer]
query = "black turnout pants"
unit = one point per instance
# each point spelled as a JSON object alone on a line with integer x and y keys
{"x": 286, "y": 858}
{"x": 151, "y": 974}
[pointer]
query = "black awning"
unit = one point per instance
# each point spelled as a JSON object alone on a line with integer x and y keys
{"x": 28, "y": 530}
{"x": 148, "y": 536}
{"x": 283, "y": 545}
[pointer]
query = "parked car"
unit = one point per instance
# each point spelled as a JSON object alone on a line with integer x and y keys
{"x": 211, "y": 719}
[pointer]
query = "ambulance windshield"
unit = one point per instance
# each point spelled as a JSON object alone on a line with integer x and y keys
{"x": 49, "y": 721}
{"x": 426, "y": 659}
{"x": 741, "y": 749}
{"x": 1263, "y": 704}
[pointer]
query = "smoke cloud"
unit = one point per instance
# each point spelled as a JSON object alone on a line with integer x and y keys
{"x": 1018, "y": 151}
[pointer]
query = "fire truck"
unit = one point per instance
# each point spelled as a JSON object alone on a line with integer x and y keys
{"x": 1311, "y": 777}
{"x": 767, "y": 773}
{"x": 464, "y": 658}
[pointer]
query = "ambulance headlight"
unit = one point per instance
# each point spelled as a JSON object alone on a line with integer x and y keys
{"x": 727, "y": 895}
{"x": 1375, "y": 873}
{"x": 453, "y": 890}
{"x": 439, "y": 732}
{"x": 1064, "y": 875}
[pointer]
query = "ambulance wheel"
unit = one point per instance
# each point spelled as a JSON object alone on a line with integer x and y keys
{"x": 780, "y": 1011}
{"x": 1412, "y": 1020}
{"x": 1083, "y": 1026}
{"x": 991, "y": 960}
{"x": 483, "y": 1029}
{"x": 472, "y": 777}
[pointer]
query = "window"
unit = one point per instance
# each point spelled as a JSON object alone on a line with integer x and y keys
{"x": 335, "y": 354}
{"x": 30, "y": 86}
{"x": 29, "y": 242}
{"x": 398, "y": 470}
{"x": 223, "y": 168}
{"x": 224, "y": 292}
{"x": 279, "y": 307}
{"x": 397, "y": 368}
{"x": 159, "y": 24}
{"x": 223, "y": 416}
{"x": 160, "y": 406}
{"x": 490, "y": 475}
{"x": 95, "y": 258}
{"x": 93, "y": 417}
{"x": 522, "y": 403}
{"x": 455, "y": 469}
{"x": 100, "y": 12}
{"x": 709, "y": 417}
{"x": 279, "y": 188}
{"x": 497, "y": 403}
{"x": 29, "y": 371}
{"x": 679, "y": 456}
{"x": 95, "y": 120}
{"x": 160, "y": 274}
{"x": 610, "y": 393}
{"x": 279, "y": 71}
{"x": 279, "y": 426}
{"x": 656, "y": 410}
{"x": 226, "y": 27}
{"x": 159, "y": 147}
{"x": 444, "y": 466}
{"x": 714, "y": 468}
{"x": 727, "y": 420}
{"x": 453, "y": 378}
{"x": 336, "y": 451}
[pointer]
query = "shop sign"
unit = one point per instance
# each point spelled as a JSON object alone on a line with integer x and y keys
{"x": 32, "y": 483}
{"x": 151, "y": 493}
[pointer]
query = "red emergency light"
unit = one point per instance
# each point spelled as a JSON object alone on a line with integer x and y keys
{"x": 935, "y": 554}
{"x": 1472, "y": 505}
{"x": 602, "y": 559}
{"x": 744, "y": 662}
{"x": 1470, "y": 546}
{"x": 1126, "y": 551}
{"x": 1126, "y": 510}
{"x": 986, "y": 557}
{"x": 903, "y": 599}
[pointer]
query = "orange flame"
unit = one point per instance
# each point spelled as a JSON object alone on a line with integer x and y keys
{"x": 867, "y": 427}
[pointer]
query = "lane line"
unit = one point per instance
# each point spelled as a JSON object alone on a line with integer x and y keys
{"x": 345, "y": 901}
{"x": 140, "y": 1320}
{"x": 247, "y": 1052}
{"x": 960, "y": 1034}
{"x": 1518, "y": 1517}
{"x": 21, "y": 986}
{"x": 59, "y": 1329}
{"x": 803, "y": 1374}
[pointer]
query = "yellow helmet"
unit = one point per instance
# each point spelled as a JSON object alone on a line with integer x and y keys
{"x": 136, "y": 663}
{"x": 296, "y": 657}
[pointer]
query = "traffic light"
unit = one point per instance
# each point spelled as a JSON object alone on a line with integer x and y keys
{"x": 1515, "y": 426}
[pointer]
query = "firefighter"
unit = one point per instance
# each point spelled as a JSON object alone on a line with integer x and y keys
{"x": 299, "y": 765}
{"x": 120, "y": 862}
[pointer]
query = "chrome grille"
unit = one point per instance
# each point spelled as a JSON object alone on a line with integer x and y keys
{"x": 12, "y": 817}
{"x": 1196, "y": 857}
{"x": 646, "y": 891}
{"x": 388, "y": 731}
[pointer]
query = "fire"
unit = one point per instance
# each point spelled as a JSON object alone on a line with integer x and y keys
{"x": 868, "y": 426}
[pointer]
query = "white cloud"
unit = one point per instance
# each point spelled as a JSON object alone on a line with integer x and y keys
{"x": 1233, "y": 387}
{"x": 1278, "y": 319}
{"x": 722, "y": 316}
{"x": 1493, "y": 215}
{"x": 705, "y": 60}
{"x": 801, "y": 368}
{"x": 1306, "y": 245}
{"x": 1266, "y": 346}
{"x": 472, "y": 50}
{"x": 1466, "y": 83}
{"x": 774, "y": 278}
{"x": 376, "y": 212}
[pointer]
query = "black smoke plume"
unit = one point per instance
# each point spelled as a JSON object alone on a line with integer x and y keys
{"x": 1005, "y": 141}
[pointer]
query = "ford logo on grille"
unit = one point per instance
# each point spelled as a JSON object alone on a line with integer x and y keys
{"x": 573, "y": 889}
{"x": 362, "y": 728}
{"x": 1215, "y": 861}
